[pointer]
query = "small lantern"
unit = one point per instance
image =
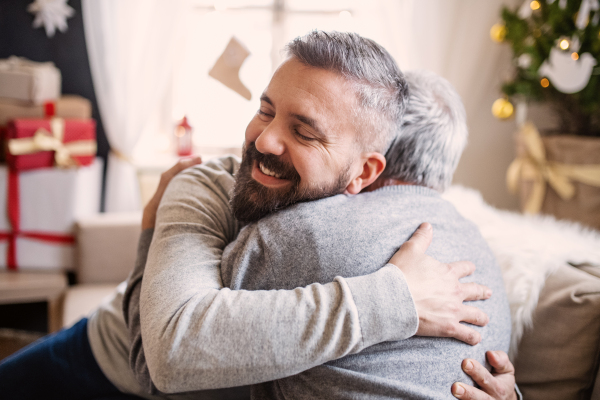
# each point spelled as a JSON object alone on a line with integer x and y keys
{"x": 183, "y": 138}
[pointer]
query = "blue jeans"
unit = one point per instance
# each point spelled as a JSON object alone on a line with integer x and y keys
{"x": 58, "y": 366}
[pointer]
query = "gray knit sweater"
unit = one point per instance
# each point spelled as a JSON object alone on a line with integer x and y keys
{"x": 199, "y": 335}
{"x": 355, "y": 235}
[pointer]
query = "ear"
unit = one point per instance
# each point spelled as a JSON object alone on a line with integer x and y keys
{"x": 373, "y": 166}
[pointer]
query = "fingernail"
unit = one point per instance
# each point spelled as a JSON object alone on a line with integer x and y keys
{"x": 488, "y": 293}
{"x": 468, "y": 365}
{"x": 426, "y": 226}
{"x": 459, "y": 390}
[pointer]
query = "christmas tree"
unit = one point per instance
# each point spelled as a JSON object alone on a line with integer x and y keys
{"x": 556, "y": 51}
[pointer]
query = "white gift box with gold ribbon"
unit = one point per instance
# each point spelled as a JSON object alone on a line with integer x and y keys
{"x": 49, "y": 201}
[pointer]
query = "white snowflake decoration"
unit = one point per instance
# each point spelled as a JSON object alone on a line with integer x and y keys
{"x": 52, "y": 14}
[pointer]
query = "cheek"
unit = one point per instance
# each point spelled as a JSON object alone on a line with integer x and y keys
{"x": 254, "y": 129}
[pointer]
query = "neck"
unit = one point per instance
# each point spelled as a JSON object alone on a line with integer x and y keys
{"x": 379, "y": 183}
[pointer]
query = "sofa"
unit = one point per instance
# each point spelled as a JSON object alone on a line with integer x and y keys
{"x": 551, "y": 271}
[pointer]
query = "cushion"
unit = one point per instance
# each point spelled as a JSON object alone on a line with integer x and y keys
{"x": 559, "y": 357}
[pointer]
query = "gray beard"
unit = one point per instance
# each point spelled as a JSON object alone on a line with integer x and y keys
{"x": 252, "y": 201}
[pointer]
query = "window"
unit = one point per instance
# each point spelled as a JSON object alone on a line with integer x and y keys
{"x": 217, "y": 114}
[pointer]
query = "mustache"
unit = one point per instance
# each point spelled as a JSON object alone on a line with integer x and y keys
{"x": 271, "y": 162}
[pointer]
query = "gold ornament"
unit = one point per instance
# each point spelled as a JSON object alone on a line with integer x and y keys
{"x": 535, "y": 5}
{"x": 575, "y": 56}
{"x": 498, "y": 32}
{"x": 502, "y": 108}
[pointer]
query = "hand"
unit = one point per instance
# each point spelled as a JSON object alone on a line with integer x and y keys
{"x": 149, "y": 215}
{"x": 497, "y": 385}
{"x": 437, "y": 293}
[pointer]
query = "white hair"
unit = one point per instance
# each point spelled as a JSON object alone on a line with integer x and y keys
{"x": 432, "y": 136}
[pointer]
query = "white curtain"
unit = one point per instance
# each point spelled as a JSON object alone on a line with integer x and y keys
{"x": 451, "y": 38}
{"x": 131, "y": 46}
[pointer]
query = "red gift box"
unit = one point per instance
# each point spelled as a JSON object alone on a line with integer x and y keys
{"x": 44, "y": 143}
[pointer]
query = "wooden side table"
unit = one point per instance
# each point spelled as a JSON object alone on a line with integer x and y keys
{"x": 30, "y": 287}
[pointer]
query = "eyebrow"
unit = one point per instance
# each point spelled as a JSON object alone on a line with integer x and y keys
{"x": 302, "y": 118}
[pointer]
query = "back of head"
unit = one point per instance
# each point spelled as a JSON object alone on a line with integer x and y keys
{"x": 432, "y": 136}
{"x": 378, "y": 82}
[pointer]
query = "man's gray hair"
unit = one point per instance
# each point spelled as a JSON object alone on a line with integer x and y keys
{"x": 378, "y": 82}
{"x": 433, "y": 134}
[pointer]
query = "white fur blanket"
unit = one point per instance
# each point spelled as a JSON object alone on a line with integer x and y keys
{"x": 528, "y": 249}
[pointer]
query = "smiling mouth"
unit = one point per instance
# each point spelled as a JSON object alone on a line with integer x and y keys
{"x": 267, "y": 171}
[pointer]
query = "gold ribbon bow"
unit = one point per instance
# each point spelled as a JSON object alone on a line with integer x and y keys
{"x": 43, "y": 140}
{"x": 534, "y": 167}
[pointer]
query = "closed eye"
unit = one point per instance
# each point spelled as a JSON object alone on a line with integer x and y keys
{"x": 301, "y": 136}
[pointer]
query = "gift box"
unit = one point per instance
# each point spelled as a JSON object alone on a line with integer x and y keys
{"x": 43, "y": 143}
{"x": 36, "y": 231}
{"x": 29, "y": 81}
{"x": 68, "y": 106}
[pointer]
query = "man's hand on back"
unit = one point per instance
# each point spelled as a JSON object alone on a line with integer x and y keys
{"x": 437, "y": 293}
{"x": 497, "y": 385}
{"x": 149, "y": 215}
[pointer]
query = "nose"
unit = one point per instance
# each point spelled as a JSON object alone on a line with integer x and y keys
{"x": 271, "y": 140}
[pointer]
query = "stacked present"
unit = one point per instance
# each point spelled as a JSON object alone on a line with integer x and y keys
{"x": 52, "y": 176}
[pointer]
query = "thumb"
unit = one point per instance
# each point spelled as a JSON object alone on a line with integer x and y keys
{"x": 499, "y": 360}
{"x": 421, "y": 239}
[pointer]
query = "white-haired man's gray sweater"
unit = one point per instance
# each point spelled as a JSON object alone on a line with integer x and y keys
{"x": 203, "y": 336}
{"x": 356, "y": 235}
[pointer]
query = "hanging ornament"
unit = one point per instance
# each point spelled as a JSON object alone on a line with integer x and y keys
{"x": 567, "y": 73}
{"x": 498, "y": 32}
{"x": 525, "y": 10}
{"x": 583, "y": 15}
{"x": 562, "y": 4}
{"x": 502, "y": 108}
{"x": 52, "y": 14}
{"x": 524, "y": 61}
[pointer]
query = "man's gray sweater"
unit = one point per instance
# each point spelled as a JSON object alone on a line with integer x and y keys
{"x": 356, "y": 235}
{"x": 199, "y": 335}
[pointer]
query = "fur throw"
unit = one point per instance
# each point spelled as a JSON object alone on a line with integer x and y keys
{"x": 528, "y": 248}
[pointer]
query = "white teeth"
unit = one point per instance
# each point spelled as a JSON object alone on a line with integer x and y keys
{"x": 267, "y": 171}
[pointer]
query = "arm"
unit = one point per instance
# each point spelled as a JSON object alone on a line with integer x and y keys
{"x": 346, "y": 315}
{"x": 183, "y": 303}
{"x": 497, "y": 385}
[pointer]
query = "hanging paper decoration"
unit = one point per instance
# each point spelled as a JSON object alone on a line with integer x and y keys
{"x": 52, "y": 14}
{"x": 583, "y": 16}
{"x": 567, "y": 73}
{"x": 526, "y": 10}
{"x": 227, "y": 68}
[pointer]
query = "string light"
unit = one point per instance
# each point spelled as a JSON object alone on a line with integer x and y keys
{"x": 564, "y": 44}
{"x": 535, "y": 5}
{"x": 575, "y": 56}
{"x": 545, "y": 82}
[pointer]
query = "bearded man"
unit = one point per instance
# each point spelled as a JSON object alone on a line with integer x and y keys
{"x": 199, "y": 335}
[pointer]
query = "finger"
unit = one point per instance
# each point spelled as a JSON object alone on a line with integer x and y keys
{"x": 421, "y": 239}
{"x": 465, "y": 334}
{"x": 480, "y": 375}
{"x": 473, "y": 315}
{"x": 466, "y": 392}
{"x": 462, "y": 268}
{"x": 177, "y": 168}
{"x": 474, "y": 291}
{"x": 500, "y": 361}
